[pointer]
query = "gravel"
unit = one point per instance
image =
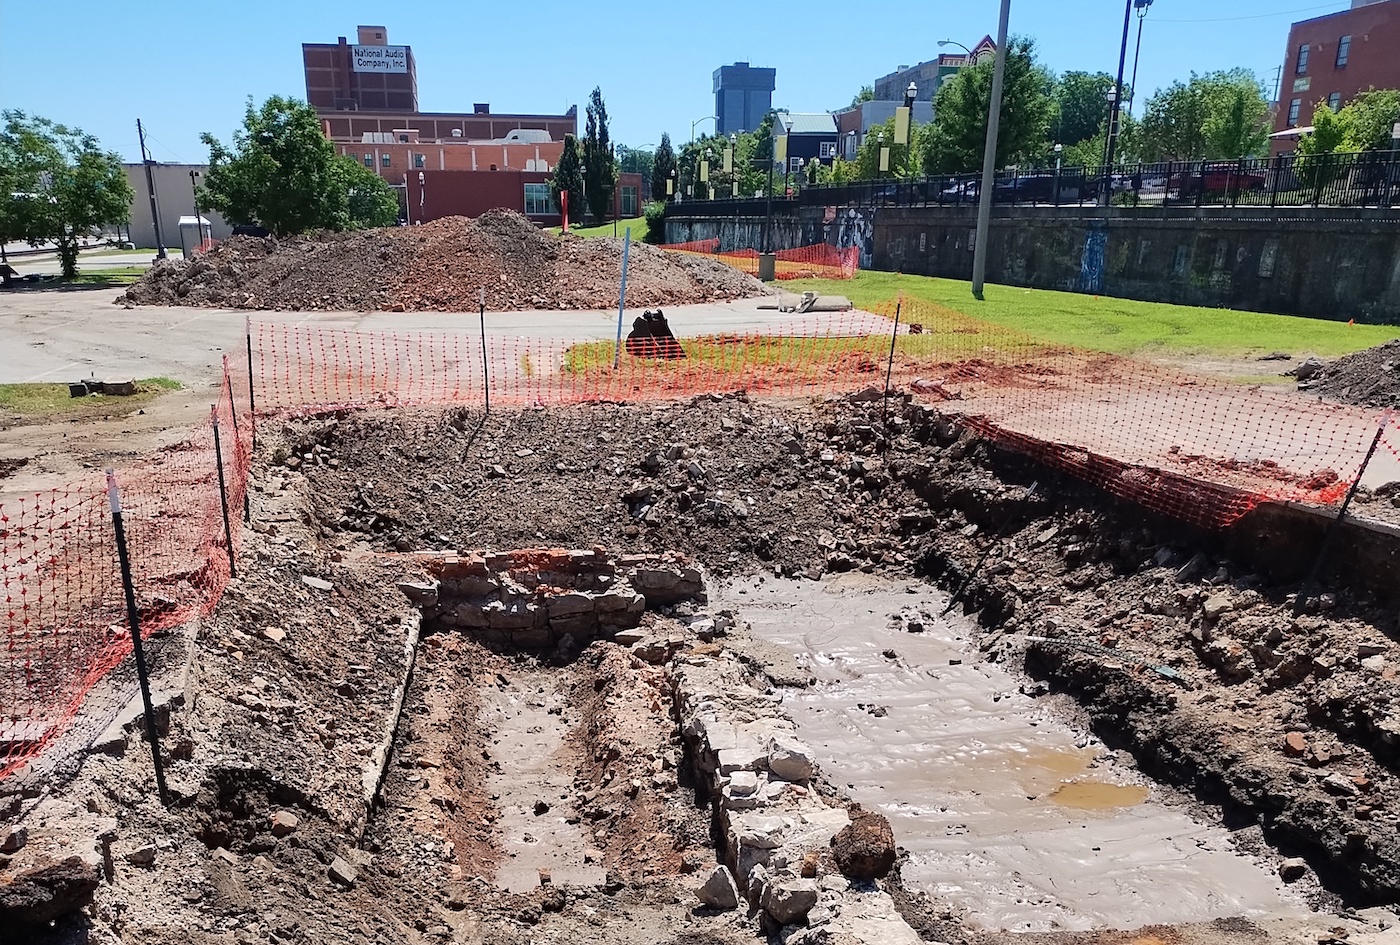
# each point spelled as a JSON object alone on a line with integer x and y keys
{"x": 439, "y": 266}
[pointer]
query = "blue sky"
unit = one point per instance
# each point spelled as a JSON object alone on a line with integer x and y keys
{"x": 187, "y": 68}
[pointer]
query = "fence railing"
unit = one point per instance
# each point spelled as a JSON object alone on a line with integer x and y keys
{"x": 1368, "y": 180}
{"x": 819, "y": 261}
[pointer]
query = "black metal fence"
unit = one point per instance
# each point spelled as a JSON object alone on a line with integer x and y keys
{"x": 1364, "y": 180}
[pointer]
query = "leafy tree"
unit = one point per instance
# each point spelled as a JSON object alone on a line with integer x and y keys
{"x": 59, "y": 185}
{"x": 1330, "y": 132}
{"x": 282, "y": 173}
{"x": 369, "y": 201}
{"x": 957, "y": 138}
{"x": 839, "y": 172}
{"x": 1373, "y": 112}
{"x": 1090, "y": 152}
{"x": 1237, "y": 125}
{"x": 662, "y": 167}
{"x": 1211, "y": 116}
{"x": 568, "y": 178}
{"x": 866, "y": 94}
{"x": 1081, "y": 106}
{"x": 904, "y": 158}
{"x": 599, "y": 164}
{"x": 635, "y": 160}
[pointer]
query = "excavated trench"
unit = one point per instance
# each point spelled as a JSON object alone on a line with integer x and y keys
{"x": 1020, "y": 808}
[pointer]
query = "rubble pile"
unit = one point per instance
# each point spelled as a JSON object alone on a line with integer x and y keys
{"x": 1370, "y": 378}
{"x": 439, "y": 266}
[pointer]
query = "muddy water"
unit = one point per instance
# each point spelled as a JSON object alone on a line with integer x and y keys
{"x": 1006, "y": 811}
{"x": 528, "y": 721}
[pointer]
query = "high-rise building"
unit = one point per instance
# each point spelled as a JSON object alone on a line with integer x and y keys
{"x": 1329, "y": 59}
{"x": 743, "y": 95}
{"x": 371, "y": 75}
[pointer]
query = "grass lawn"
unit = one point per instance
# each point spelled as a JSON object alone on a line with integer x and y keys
{"x": 37, "y": 402}
{"x": 638, "y": 225}
{"x": 1120, "y": 326}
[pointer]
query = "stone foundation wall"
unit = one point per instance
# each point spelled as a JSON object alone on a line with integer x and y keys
{"x": 538, "y": 599}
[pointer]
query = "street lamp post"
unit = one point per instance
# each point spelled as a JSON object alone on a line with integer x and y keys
{"x": 1106, "y": 191}
{"x": 1141, "y": 7}
{"x": 989, "y": 157}
{"x": 1390, "y": 173}
{"x": 949, "y": 42}
{"x": 198, "y": 223}
{"x": 1059, "y": 149}
{"x": 1117, "y": 98}
{"x": 696, "y": 122}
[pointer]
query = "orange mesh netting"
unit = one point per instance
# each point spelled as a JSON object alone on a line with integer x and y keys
{"x": 64, "y": 620}
{"x": 819, "y": 261}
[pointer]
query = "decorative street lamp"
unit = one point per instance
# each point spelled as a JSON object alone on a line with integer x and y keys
{"x": 1104, "y": 198}
{"x": 1141, "y": 7}
{"x": 1059, "y": 149}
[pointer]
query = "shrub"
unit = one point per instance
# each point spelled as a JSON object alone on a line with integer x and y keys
{"x": 655, "y": 213}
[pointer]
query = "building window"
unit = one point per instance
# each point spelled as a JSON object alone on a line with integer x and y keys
{"x": 369, "y": 160}
{"x": 384, "y": 159}
{"x": 1334, "y": 101}
{"x": 1303, "y": 59}
{"x": 794, "y": 165}
{"x": 419, "y": 160}
{"x": 629, "y": 201}
{"x": 828, "y": 149}
{"x": 403, "y": 139}
{"x": 538, "y": 201}
{"x": 1293, "y": 108}
{"x": 1343, "y": 51}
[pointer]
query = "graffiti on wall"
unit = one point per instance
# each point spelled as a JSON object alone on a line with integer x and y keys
{"x": 1091, "y": 263}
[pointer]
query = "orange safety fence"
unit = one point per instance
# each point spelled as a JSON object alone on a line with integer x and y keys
{"x": 65, "y": 620}
{"x": 1202, "y": 450}
{"x": 819, "y": 261}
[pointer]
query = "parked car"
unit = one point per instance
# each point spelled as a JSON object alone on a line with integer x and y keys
{"x": 1216, "y": 179}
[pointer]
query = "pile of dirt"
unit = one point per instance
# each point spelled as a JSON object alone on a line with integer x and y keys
{"x": 439, "y": 266}
{"x": 1370, "y": 378}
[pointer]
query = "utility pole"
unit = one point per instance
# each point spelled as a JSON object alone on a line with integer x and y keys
{"x": 1106, "y": 196}
{"x": 989, "y": 159}
{"x": 151, "y": 189}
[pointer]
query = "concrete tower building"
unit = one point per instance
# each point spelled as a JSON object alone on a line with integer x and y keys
{"x": 743, "y": 95}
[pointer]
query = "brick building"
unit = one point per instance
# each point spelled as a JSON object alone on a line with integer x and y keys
{"x": 1329, "y": 59}
{"x": 367, "y": 98}
{"x": 929, "y": 76}
{"x": 433, "y": 194}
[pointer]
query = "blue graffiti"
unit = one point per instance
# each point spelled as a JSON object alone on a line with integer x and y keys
{"x": 1091, "y": 265}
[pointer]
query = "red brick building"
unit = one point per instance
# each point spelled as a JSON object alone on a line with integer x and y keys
{"x": 1331, "y": 58}
{"x": 368, "y": 76}
{"x": 433, "y": 194}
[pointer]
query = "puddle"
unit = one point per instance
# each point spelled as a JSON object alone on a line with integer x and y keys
{"x": 1004, "y": 809}
{"x": 1093, "y": 795}
{"x": 528, "y": 743}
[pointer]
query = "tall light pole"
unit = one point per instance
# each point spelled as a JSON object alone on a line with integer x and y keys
{"x": 696, "y": 122}
{"x": 1106, "y": 195}
{"x": 949, "y": 42}
{"x": 989, "y": 158}
{"x": 1141, "y": 7}
{"x": 199, "y": 223}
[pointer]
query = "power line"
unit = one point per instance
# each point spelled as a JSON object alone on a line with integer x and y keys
{"x": 1257, "y": 16}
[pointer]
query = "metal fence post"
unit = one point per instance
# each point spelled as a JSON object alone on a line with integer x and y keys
{"x": 252, "y": 408}
{"x": 1201, "y": 187}
{"x": 223, "y": 489}
{"x": 889, "y": 368}
{"x": 133, "y": 616}
{"x": 485, "y": 367}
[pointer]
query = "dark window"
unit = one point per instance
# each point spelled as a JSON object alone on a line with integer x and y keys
{"x": 384, "y": 159}
{"x": 1334, "y": 101}
{"x": 1303, "y": 59}
{"x": 1343, "y": 51}
{"x": 369, "y": 160}
{"x": 629, "y": 201}
{"x": 1293, "y": 108}
{"x": 403, "y": 139}
{"x": 418, "y": 160}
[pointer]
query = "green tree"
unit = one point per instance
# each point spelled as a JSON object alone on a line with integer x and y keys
{"x": 662, "y": 168}
{"x": 568, "y": 178}
{"x": 59, "y": 185}
{"x": 1211, "y": 116}
{"x": 369, "y": 201}
{"x": 1373, "y": 113}
{"x": 904, "y": 158}
{"x": 956, "y": 140}
{"x": 599, "y": 164}
{"x": 1331, "y": 131}
{"x": 282, "y": 173}
{"x": 1081, "y": 106}
{"x": 866, "y": 94}
{"x": 635, "y": 161}
{"x": 1238, "y": 123}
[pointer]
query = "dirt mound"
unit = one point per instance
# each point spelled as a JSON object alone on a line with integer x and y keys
{"x": 1370, "y": 378}
{"x": 439, "y": 266}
